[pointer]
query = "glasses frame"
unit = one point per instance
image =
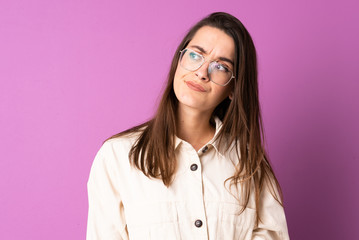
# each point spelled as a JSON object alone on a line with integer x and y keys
{"x": 203, "y": 61}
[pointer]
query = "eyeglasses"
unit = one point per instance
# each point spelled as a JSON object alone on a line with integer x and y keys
{"x": 218, "y": 73}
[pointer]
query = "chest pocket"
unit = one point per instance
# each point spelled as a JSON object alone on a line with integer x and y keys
{"x": 152, "y": 221}
{"x": 232, "y": 224}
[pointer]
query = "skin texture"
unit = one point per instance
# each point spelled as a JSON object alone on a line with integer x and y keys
{"x": 195, "y": 107}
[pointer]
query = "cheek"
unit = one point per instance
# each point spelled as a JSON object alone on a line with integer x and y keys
{"x": 176, "y": 80}
{"x": 221, "y": 92}
{"x": 180, "y": 72}
{"x": 178, "y": 83}
{"x": 179, "y": 77}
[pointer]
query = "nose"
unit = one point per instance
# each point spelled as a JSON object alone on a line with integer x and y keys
{"x": 202, "y": 72}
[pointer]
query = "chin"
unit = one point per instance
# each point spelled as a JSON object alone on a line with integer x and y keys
{"x": 191, "y": 102}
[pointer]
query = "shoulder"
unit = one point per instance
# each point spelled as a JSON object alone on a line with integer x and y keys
{"x": 114, "y": 151}
{"x": 112, "y": 162}
{"x": 124, "y": 141}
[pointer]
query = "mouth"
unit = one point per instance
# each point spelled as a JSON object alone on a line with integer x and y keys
{"x": 195, "y": 86}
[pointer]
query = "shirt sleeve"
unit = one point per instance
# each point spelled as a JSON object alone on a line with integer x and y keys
{"x": 106, "y": 219}
{"x": 273, "y": 225}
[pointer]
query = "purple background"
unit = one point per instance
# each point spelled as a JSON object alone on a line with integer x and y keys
{"x": 75, "y": 72}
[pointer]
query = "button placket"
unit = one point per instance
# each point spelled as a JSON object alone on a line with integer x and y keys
{"x": 195, "y": 159}
{"x": 195, "y": 190}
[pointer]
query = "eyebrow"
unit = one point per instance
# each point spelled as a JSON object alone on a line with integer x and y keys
{"x": 201, "y": 49}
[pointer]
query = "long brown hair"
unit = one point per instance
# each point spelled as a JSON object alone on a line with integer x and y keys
{"x": 154, "y": 153}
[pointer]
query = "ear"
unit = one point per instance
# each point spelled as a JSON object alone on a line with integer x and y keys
{"x": 231, "y": 95}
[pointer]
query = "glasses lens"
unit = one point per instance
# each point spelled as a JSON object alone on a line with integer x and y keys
{"x": 219, "y": 73}
{"x": 191, "y": 60}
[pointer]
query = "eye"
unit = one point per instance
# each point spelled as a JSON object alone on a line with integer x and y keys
{"x": 194, "y": 56}
{"x": 221, "y": 67}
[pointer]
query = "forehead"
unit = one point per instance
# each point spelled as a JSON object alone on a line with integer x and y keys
{"x": 214, "y": 41}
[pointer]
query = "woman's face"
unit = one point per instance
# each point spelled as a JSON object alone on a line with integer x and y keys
{"x": 193, "y": 88}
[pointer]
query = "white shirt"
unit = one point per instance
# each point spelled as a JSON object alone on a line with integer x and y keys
{"x": 125, "y": 204}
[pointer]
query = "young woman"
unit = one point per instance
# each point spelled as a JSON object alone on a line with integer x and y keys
{"x": 198, "y": 169}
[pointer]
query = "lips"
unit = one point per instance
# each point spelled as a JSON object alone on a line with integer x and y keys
{"x": 195, "y": 86}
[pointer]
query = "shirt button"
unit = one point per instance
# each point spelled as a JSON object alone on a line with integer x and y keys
{"x": 198, "y": 223}
{"x": 204, "y": 149}
{"x": 194, "y": 167}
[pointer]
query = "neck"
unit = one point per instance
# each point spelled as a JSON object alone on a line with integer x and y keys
{"x": 194, "y": 126}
